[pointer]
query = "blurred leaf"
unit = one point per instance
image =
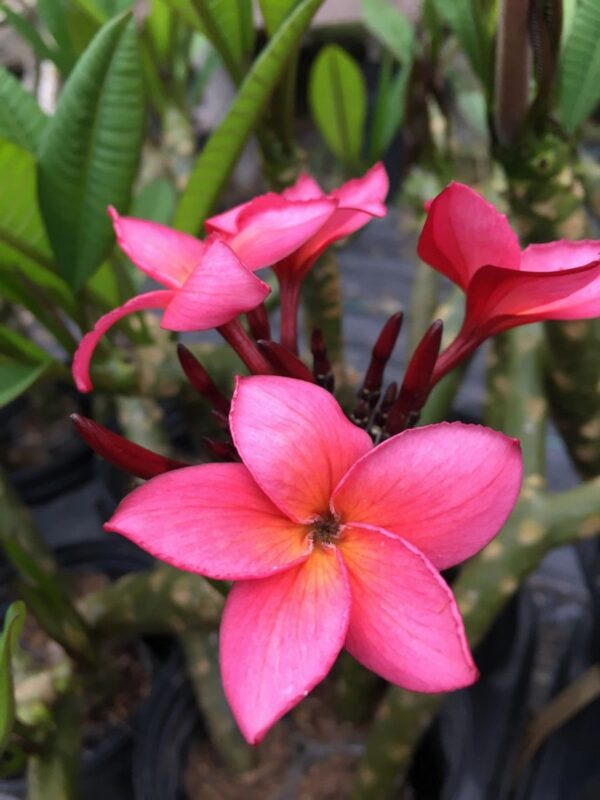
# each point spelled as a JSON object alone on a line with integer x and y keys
{"x": 389, "y": 110}
{"x": 337, "y": 94}
{"x": 16, "y": 377}
{"x": 17, "y": 346}
{"x": 390, "y": 27}
{"x": 470, "y": 22}
{"x": 155, "y": 201}
{"x": 227, "y": 24}
{"x": 24, "y": 247}
{"x": 274, "y": 12}
{"x": 580, "y": 66}
{"x": 90, "y": 150}
{"x": 215, "y": 163}
{"x": 14, "y": 620}
{"x": 21, "y": 119}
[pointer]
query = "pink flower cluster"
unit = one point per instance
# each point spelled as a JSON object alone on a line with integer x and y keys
{"x": 331, "y": 541}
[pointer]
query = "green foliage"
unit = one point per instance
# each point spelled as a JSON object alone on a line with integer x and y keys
{"x": 16, "y": 377}
{"x": 215, "y": 163}
{"x": 338, "y": 102}
{"x": 274, "y": 12}
{"x": 28, "y": 32}
{"x": 13, "y": 626}
{"x": 89, "y": 152}
{"x": 390, "y": 27}
{"x": 389, "y": 109}
{"x": 21, "y": 119}
{"x": 580, "y": 66}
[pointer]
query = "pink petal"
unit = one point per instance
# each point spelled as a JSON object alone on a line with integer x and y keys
{"x": 163, "y": 253}
{"x": 366, "y": 194}
{"x": 227, "y": 222}
{"x": 280, "y": 637}
{"x": 404, "y": 622}
{"x": 295, "y": 440}
{"x": 447, "y": 489}
{"x": 305, "y": 188}
{"x": 560, "y": 255}
{"x": 217, "y": 291}
{"x": 499, "y": 299}
{"x": 211, "y": 519}
{"x": 463, "y": 232}
{"x": 85, "y": 351}
{"x": 271, "y": 227}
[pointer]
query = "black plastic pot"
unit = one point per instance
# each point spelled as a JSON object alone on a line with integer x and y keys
{"x": 168, "y": 724}
{"x": 106, "y": 770}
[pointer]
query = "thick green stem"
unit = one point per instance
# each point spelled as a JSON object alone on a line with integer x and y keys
{"x": 201, "y": 653}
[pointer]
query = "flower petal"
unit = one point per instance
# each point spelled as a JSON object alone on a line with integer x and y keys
{"x": 295, "y": 440}
{"x": 404, "y": 622}
{"x": 560, "y": 255}
{"x": 217, "y": 291}
{"x": 85, "y": 351}
{"x": 305, "y": 188}
{"x": 464, "y": 232}
{"x": 227, "y": 222}
{"x": 211, "y": 519}
{"x": 447, "y": 489}
{"x": 163, "y": 253}
{"x": 367, "y": 193}
{"x": 271, "y": 227}
{"x": 499, "y": 299}
{"x": 280, "y": 637}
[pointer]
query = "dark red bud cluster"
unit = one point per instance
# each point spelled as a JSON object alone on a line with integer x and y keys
{"x": 322, "y": 369}
{"x": 122, "y": 453}
{"x": 284, "y": 362}
{"x": 201, "y": 381}
{"x": 258, "y": 322}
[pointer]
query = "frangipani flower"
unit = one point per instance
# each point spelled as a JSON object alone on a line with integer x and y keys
{"x": 471, "y": 243}
{"x": 207, "y": 285}
{"x": 331, "y": 542}
{"x": 354, "y": 204}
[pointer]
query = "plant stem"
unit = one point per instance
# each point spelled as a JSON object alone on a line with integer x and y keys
{"x": 289, "y": 299}
{"x": 235, "y": 335}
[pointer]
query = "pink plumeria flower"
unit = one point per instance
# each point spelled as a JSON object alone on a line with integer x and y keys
{"x": 471, "y": 243}
{"x": 331, "y": 543}
{"x": 353, "y": 205}
{"x": 208, "y": 283}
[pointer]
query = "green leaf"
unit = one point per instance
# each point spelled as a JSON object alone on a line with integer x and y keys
{"x": 90, "y": 150}
{"x": 227, "y": 24}
{"x": 14, "y": 620}
{"x": 389, "y": 110}
{"x": 28, "y": 32}
{"x": 580, "y": 66}
{"x": 215, "y": 163}
{"x": 16, "y": 377}
{"x": 390, "y": 27}
{"x": 470, "y": 22}
{"x": 337, "y": 94}
{"x": 21, "y": 119}
{"x": 19, "y": 347}
{"x": 24, "y": 248}
{"x": 274, "y": 12}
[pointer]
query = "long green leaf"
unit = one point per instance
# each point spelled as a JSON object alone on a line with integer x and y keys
{"x": 390, "y": 27}
{"x": 338, "y": 100}
{"x": 215, "y": 163}
{"x": 24, "y": 247}
{"x": 16, "y": 377}
{"x": 274, "y": 12}
{"x": 13, "y": 626}
{"x": 90, "y": 150}
{"x": 580, "y": 66}
{"x": 471, "y": 22}
{"x": 28, "y": 32}
{"x": 21, "y": 119}
{"x": 15, "y": 345}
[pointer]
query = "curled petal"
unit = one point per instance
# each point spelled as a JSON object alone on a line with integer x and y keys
{"x": 560, "y": 255}
{"x": 211, "y": 519}
{"x": 85, "y": 351}
{"x": 305, "y": 188}
{"x": 271, "y": 227}
{"x": 217, "y": 291}
{"x": 499, "y": 299}
{"x": 280, "y": 637}
{"x": 226, "y": 223}
{"x": 463, "y": 232}
{"x": 447, "y": 489}
{"x": 404, "y": 622}
{"x": 163, "y": 253}
{"x": 367, "y": 193}
{"x": 295, "y": 440}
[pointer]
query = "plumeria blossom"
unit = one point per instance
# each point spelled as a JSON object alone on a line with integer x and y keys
{"x": 331, "y": 542}
{"x": 471, "y": 243}
{"x": 353, "y": 205}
